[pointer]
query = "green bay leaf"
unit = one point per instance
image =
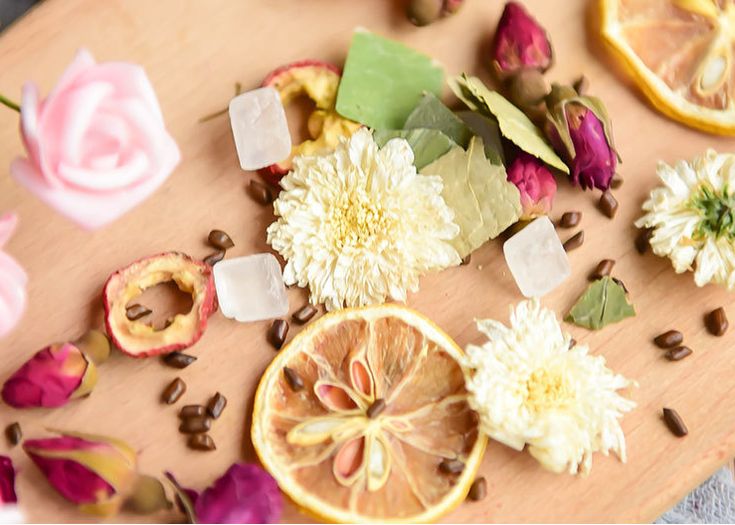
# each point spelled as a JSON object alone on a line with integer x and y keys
{"x": 431, "y": 113}
{"x": 514, "y": 124}
{"x": 604, "y": 302}
{"x": 427, "y": 144}
{"x": 483, "y": 200}
{"x": 487, "y": 129}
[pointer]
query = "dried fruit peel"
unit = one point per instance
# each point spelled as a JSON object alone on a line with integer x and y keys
{"x": 427, "y": 144}
{"x": 483, "y": 200}
{"x": 326, "y": 344}
{"x": 384, "y": 80}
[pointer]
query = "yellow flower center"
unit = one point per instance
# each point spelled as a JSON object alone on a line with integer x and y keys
{"x": 356, "y": 220}
{"x": 548, "y": 389}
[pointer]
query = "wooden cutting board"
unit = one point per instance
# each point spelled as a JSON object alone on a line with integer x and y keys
{"x": 194, "y": 52}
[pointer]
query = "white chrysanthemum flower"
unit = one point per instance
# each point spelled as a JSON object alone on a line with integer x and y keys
{"x": 359, "y": 225}
{"x": 530, "y": 388}
{"x": 693, "y": 217}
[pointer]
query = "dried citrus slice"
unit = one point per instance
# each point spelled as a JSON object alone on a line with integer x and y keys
{"x": 363, "y": 417}
{"x": 680, "y": 52}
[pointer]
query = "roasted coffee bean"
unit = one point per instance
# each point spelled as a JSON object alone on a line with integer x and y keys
{"x": 136, "y": 311}
{"x": 192, "y": 411}
{"x": 214, "y": 258}
{"x": 616, "y": 182}
{"x": 293, "y": 379}
{"x": 581, "y": 85}
{"x": 178, "y": 359}
{"x": 572, "y": 343}
{"x": 220, "y": 240}
{"x": 675, "y": 423}
{"x": 195, "y": 425}
{"x": 201, "y": 442}
{"x": 604, "y": 268}
{"x": 716, "y": 322}
{"x": 575, "y": 241}
{"x": 621, "y": 284}
{"x": 451, "y": 466}
{"x": 669, "y": 339}
{"x": 478, "y": 489}
{"x": 260, "y": 192}
{"x": 216, "y": 405}
{"x": 678, "y": 353}
{"x": 570, "y": 219}
{"x": 466, "y": 260}
{"x": 642, "y": 241}
{"x": 173, "y": 391}
{"x": 14, "y": 434}
{"x": 376, "y": 408}
{"x": 608, "y": 204}
{"x": 304, "y": 314}
{"x": 277, "y": 333}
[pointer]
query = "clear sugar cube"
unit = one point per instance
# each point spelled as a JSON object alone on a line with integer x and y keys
{"x": 536, "y": 258}
{"x": 260, "y": 129}
{"x": 251, "y": 288}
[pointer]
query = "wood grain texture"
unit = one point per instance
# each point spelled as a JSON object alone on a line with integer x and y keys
{"x": 194, "y": 51}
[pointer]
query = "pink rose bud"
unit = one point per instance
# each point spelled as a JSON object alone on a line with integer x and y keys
{"x": 536, "y": 184}
{"x": 94, "y": 472}
{"x": 580, "y": 130}
{"x": 520, "y": 43}
{"x": 58, "y": 373}
{"x": 7, "y": 481}
{"x": 97, "y": 145}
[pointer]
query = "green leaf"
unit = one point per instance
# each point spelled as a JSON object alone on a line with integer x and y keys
{"x": 487, "y": 129}
{"x": 514, "y": 124}
{"x": 483, "y": 200}
{"x": 604, "y": 302}
{"x": 427, "y": 144}
{"x": 431, "y": 113}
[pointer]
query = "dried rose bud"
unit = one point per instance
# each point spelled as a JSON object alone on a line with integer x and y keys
{"x": 7, "y": 481}
{"x": 58, "y": 373}
{"x": 536, "y": 184}
{"x": 452, "y": 6}
{"x": 579, "y": 129}
{"x": 96, "y": 473}
{"x": 519, "y": 43}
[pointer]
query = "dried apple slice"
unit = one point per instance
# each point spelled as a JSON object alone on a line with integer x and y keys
{"x": 138, "y": 339}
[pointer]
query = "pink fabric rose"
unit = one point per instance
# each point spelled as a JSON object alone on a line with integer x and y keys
{"x": 97, "y": 145}
{"x": 13, "y": 280}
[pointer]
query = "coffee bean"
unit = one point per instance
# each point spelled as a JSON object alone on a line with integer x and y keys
{"x": 451, "y": 466}
{"x": 669, "y": 339}
{"x": 616, "y": 182}
{"x": 642, "y": 241}
{"x": 604, "y": 268}
{"x": 478, "y": 489}
{"x": 293, "y": 379}
{"x": 716, "y": 322}
{"x": 570, "y": 219}
{"x": 14, "y": 434}
{"x": 136, "y": 311}
{"x": 216, "y": 405}
{"x": 173, "y": 391}
{"x": 678, "y": 353}
{"x": 466, "y": 260}
{"x": 195, "y": 425}
{"x": 192, "y": 411}
{"x": 575, "y": 241}
{"x": 572, "y": 343}
{"x": 304, "y": 314}
{"x": 178, "y": 359}
{"x": 220, "y": 240}
{"x": 201, "y": 442}
{"x": 376, "y": 408}
{"x": 277, "y": 333}
{"x": 261, "y": 193}
{"x": 214, "y": 258}
{"x": 581, "y": 85}
{"x": 608, "y": 204}
{"x": 675, "y": 423}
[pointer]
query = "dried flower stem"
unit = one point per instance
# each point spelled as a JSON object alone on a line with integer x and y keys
{"x": 9, "y": 103}
{"x": 205, "y": 118}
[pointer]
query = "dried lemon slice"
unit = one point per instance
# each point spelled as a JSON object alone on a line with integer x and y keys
{"x": 364, "y": 420}
{"x": 680, "y": 52}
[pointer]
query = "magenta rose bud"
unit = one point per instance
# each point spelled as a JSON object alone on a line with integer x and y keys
{"x": 7, "y": 481}
{"x": 520, "y": 43}
{"x": 535, "y": 183}
{"x": 244, "y": 494}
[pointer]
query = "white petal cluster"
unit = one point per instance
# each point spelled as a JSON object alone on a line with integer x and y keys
{"x": 676, "y": 220}
{"x": 531, "y": 389}
{"x": 359, "y": 225}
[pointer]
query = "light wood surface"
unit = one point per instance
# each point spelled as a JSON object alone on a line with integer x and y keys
{"x": 194, "y": 52}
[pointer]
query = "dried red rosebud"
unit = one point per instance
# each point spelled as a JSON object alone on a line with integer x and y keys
{"x": 535, "y": 183}
{"x": 7, "y": 481}
{"x": 519, "y": 43}
{"x": 580, "y": 131}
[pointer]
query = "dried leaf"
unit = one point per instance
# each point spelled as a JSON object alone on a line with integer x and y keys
{"x": 431, "y": 113}
{"x": 488, "y": 130}
{"x": 427, "y": 144}
{"x": 483, "y": 200}
{"x": 604, "y": 302}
